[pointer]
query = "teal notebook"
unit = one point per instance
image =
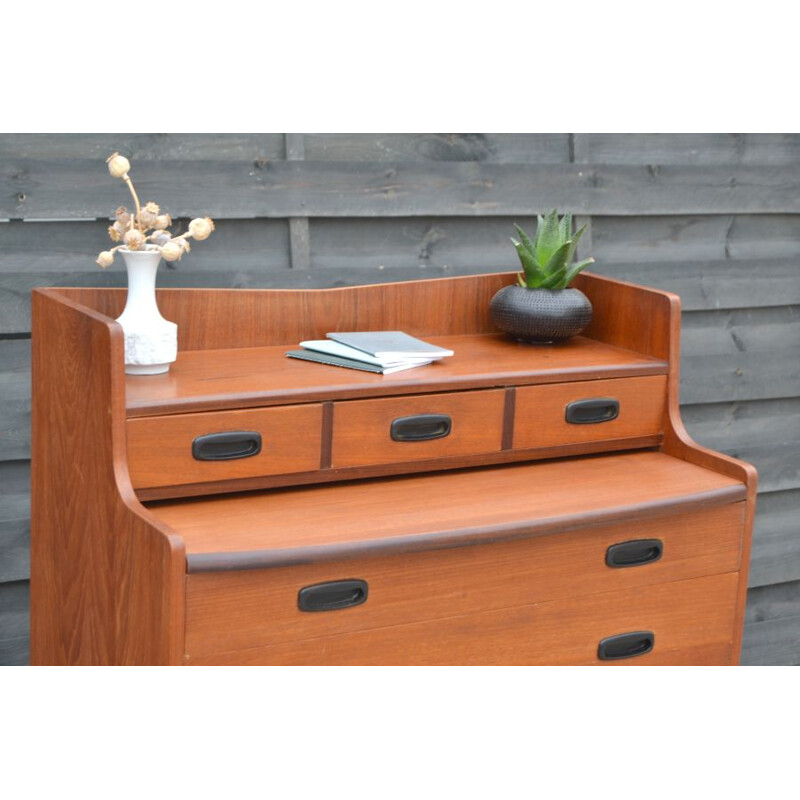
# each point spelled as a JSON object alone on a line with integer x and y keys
{"x": 389, "y": 344}
{"x": 338, "y": 361}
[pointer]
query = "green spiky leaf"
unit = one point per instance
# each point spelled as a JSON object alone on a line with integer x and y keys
{"x": 573, "y": 270}
{"x": 533, "y": 272}
{"x": 526, "y": 241}
{"x": 548, "y": 238}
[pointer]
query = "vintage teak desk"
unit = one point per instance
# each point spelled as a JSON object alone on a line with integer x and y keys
{"x": 515, "y": 504}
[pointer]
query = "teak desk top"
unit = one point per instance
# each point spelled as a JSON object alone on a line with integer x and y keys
{"x": 206, "y": 380}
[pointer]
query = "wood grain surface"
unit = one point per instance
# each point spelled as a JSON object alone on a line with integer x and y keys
{"x": 361, "y": 428}
{"x": 106, "y": 576}
{"x": 160, "y": 448}
{"x": 540, "y": 411}
{"x": 238, "y": 610}
{"x": 692, "y": 622}
{"x": 437, "y": 510}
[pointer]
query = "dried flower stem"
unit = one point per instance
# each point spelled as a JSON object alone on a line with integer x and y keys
{"x": 135, "y": 200}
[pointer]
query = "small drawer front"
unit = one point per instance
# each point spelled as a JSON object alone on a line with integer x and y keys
{"x": 232, "y": 611}
{"x": 589, "y": 411}
{"x": 223, "y": 445}
{"x": 684, "y": 622}
{"x": 392, "y": 430}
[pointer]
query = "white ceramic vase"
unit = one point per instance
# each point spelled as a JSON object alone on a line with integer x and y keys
{"x": 151, "y": 342}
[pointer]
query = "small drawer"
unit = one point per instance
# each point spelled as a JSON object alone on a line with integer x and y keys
{"x": 234, "y": 611}
{"x": 686, "y": 622}
{"x": 589, "y": 411}
{"x": 223, "y": 445}
{"x": 393, "y": 430}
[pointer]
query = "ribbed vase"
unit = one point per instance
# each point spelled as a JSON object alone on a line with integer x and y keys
{"x": 540, "y": 315}
{"x": 151, "y": 342}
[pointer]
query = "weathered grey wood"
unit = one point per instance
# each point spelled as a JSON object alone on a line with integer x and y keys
{"x": 299, "y": 234}
{"x": 775, "y": 557}
{"x": 496, "y": 148}
{"x": 710, "y": 285}
{"x": 15, "y": 516}
{"x": 684, "y": 238}
{"x": 73, "y": 246}
{"x": 345, "y": 244}
{"x": 740, "y": 355}
{"x": 14, "y": 615}
{"x": 233, "y": 189}
{"x": 768, "y": 149}
{"x": 15, "y": 399}
{"x": 144, "y": 146}
{"x": 765, "y": 433}
{"x": 772, "y": 626}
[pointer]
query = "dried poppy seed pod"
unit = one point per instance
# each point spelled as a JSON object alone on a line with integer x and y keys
{"x": 201, "y": 228}
{"x": 134, "y": 240}
{"x": 163, "y": 221}
{"x": 122, "y": 216}
{"x": 105, "y": 259}
{"x": 184, "y": 245}
{"x": 171, "y": 251}
{"x": 149, "y": 215}
{"x": 161, "y": 238}
{"x": 114, "y": 233}
{"x": 118, "y": 165}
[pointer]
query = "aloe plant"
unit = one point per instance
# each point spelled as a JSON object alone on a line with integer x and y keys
{"x": 547, "y": 259}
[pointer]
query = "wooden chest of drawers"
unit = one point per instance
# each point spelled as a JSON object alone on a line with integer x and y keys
{"x": 515, "y": 505}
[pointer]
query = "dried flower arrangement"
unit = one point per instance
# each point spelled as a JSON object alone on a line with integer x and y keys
{"x": 133, "y": 229}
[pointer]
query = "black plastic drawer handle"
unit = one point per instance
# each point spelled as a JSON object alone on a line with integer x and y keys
{"x": 226, "y": 446}
{"x": 592, "y": 410}
{"x": 634, "y": 553}
{"x": 332, "y": 595}
{"x": 421, "y": 427}
{"x": 626, "y": 645}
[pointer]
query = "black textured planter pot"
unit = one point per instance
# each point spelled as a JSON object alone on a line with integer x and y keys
{"x": 540, "y": 315}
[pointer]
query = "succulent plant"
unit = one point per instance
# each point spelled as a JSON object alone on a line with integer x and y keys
{"x": 547, "y": 258}
{"x": 133, "y": 229}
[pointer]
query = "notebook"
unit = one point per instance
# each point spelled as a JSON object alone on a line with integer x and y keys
{"x": 338, "y": 361}
{"x": 389, "y": 344}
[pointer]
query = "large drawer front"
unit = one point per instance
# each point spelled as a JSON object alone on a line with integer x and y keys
{"x": 171, "y": 450}
{"x": 234, "y": 611}
{"x": 393, "y": 430}
{"x": 686, "y": 622}
{"x": 619, "y": 408}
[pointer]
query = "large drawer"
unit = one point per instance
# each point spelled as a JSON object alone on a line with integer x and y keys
{"x": 685, "y": 622}
{"x": 589, "y": 411}
{"x": 235, "y": 611}
{"x": 393, "y": 430}
{"x": 169, "y": 450}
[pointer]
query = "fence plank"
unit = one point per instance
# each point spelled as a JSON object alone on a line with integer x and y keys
{"x": 144, "y": 146}
{"x": 715, "y": 285}
{"x": 775, "y": 556}
{"x": 31, "y": 188}
{"x": 768, "y": 149}
{"x": 772, "y": 626}
{"x": 73, "y": 246}
{"x": 14, "y": 615}
{"x": 15, "y": 399}
{"x": 685, "y": 238}
{"x": 494, "y": 148}
{"x": 15, "y": 516}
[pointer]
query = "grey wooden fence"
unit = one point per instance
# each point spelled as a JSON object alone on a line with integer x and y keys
{"x": 713, "y": 217}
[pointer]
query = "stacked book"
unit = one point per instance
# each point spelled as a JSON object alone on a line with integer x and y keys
{"x": 384, "y": 352}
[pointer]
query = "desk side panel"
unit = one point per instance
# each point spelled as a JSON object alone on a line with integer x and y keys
{"x": 106, "y": 578}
